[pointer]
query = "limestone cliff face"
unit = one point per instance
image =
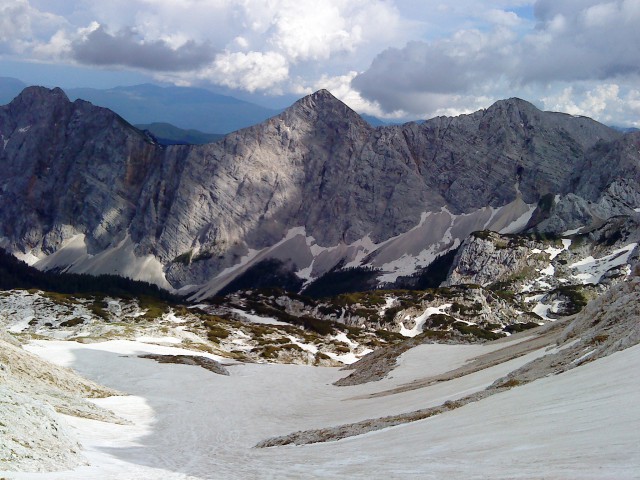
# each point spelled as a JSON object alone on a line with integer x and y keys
{"x": 487, "y": 257}
{"x": 477, "y": 160}
{"x": 73, "y": 169}
{"x": 68, "y": 168}
{"x": 607, "y": 184}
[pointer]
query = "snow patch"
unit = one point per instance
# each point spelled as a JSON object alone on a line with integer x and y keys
{"x": 550, "y": 270}
{"x": 519, "y": 223}
{"x": 591, "y": 270}
{"x": 420, "y": 320}
{"x": 543, "y": 309}
{"x": 158, "y": 340}
{"x": 257, "y": 319}
{"x": 180, "y": 415}
{"x": 553, "y": 252}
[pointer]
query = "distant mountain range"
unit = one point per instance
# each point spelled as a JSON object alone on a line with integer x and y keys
{"x": 186, "y": 108}
{"x": 625, "y": 129}
{"x": 181, "y": 107}
{"x": 167, "y": 134}
{"x": 9, "y": 89}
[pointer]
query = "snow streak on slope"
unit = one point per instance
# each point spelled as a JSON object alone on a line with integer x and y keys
{"x": 435, "y": 234}
{"x": 591, "y": 270}
{"x": 73, "y": 257}
{"x": 419, "y": 321}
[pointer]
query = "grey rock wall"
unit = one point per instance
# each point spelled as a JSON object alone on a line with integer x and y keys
{"x": 73, "y": 168}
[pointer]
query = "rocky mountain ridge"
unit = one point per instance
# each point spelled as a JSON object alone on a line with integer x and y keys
{"x": 315, "y": 187}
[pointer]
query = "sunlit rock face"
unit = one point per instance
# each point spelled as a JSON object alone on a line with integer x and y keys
{"x": 314, "y": 187}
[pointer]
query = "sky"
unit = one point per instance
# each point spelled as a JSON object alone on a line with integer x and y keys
{"x": 395, "y": 59}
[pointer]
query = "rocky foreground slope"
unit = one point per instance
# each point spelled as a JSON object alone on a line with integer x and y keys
{"x": 608, "y": 325}
{"x": 315, "y": 187}
{"x": 35, "y": 437}
{"x": 33, "y": 393}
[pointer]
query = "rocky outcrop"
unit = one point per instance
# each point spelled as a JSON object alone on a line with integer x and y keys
{"x": 486, "y": 257}
{"x": 33, "y": 436}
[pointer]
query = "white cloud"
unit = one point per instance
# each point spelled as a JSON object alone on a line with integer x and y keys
{"x": 572, "y": 42}
{"x": 58, "y": 46}
{"x": 311, "y": 30}
{"x": 248, "y": 71}
{"x": 22, "y": 26}
{"x": 423, "y": 77}
{"x": 582, "y": 41}
{"x": 414, "y": 57}
{"x": 609, "y": 103}
{"x": 247, "y": 44}
{"x": 502, "y": 17}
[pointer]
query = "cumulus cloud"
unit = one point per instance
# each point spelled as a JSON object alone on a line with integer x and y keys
{"x": 421, "y": 76}
{"x": 569, "y": 41}
{"x": 607, "y": 102}
{"x": 247, "y": 44}
{"x": 14, "y": 20}
{"x": 22, "y": 26}
{"x": 125, "y": 48}
{"x": 412, "y": 57}
{"x": 248, "y": 71}
{"x": 583, "y": 40}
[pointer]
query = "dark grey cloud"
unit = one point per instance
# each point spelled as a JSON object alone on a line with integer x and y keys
{"x": 398, "y": 77}
{"x": 570, "y": 40}
{"x": 582, "y": 40}
{"x": 125, "y": 49}
{"x": 546, "y": 10}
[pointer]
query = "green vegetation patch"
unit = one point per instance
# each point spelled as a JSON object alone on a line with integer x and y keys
{"x": 476, "y": 331}
{"x": 463, "y": 309}
{"x": 337, "y": 281}
{"x": 440, "y": 321}
{"x": 546, "y": 202}
{"x": 520, "y": 327}
{"x": 215, "y": 330}
{"x": 154, "y": 308}
{"x": 390, "y": 337}
{"x": 269, "y": 273}
{"x": 184, "y": 258}
{"x": 574, "y": 296}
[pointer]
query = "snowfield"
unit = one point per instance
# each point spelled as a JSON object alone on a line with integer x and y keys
{"x": 189, "y": 423}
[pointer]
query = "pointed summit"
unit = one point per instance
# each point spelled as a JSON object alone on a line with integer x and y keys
{"x": 319, "y": 100}
{"x": 323, "y": 105}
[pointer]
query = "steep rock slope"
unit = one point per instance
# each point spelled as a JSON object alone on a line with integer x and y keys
{"x": 315, "y": 187}
{"x": 68, "y": 167}
{"x": 32, "y": 393}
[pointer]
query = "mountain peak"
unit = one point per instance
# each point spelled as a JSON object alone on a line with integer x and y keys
{"x": 319, "y": 99}
{"x": 41, "y": 95}
{"x": 37, "y": 91}
{"x": 323, "y": 93}
{"x": 324, "y": 104}
{"x": 514, "y": 102}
